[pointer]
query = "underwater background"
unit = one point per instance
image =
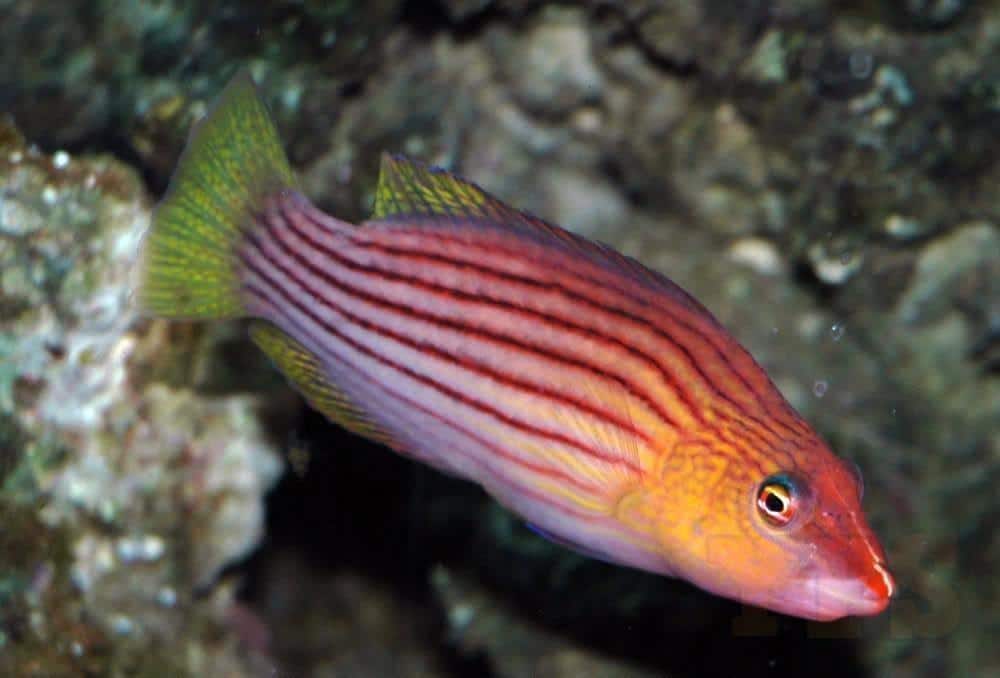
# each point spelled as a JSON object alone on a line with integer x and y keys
{"x": 822, "y": 175}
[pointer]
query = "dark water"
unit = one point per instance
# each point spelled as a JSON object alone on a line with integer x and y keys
{"x": 821, "y": 175}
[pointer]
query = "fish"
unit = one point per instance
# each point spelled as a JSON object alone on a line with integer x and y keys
{"x": 588, "y": 394}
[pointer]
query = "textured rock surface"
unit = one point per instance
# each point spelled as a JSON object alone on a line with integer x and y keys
{"x": 822, "y": 176}
{"x": 121, "y": 498}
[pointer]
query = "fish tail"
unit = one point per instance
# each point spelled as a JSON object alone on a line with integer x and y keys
{"x": 232, "y": 161}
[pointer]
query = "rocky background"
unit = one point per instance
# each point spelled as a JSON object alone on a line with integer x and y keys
{"x": 823, "y": 176}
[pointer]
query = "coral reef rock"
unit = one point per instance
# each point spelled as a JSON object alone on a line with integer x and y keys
{"x": 122, "y": 496}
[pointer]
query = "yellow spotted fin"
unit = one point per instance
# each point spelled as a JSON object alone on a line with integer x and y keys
{"x": 233, "y": 159}
{"x": 305, "y": 371}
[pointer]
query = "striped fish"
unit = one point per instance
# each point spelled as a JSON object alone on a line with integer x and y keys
{"x": 589, "y": 395}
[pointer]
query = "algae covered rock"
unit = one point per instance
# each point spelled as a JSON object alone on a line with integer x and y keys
{"x": 122, "y": 498}
{"x": 140, "y": 72}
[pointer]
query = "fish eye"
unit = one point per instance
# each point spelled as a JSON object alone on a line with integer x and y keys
{"x": 776, "y": 501}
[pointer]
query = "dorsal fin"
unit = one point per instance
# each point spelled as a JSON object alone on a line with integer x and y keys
{"x": 413, "y": 191}
{"x": 305, "y": 371}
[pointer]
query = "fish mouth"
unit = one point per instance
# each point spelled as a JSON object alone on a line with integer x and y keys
{"x": 825, "y": 598}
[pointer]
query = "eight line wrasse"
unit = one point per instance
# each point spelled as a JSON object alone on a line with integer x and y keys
{"x": 588, "y": 394}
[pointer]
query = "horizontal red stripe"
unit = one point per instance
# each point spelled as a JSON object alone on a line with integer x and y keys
{"x": 507, "y": 341}
{"x": 413, "y": 425}
{"x": 486, "y": 253}
{"x": 473, "y": 403}
{"x": 326, "y": 275}
{"x": 561, "y": 323}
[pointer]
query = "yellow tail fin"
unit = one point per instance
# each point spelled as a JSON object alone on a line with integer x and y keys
{"x": 233, "y": 158}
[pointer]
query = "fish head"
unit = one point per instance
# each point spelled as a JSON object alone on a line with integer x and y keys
{"x": 833, "y": 564}
{"x": 789, "y": 536}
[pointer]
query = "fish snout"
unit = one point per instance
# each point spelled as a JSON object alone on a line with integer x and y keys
{"x": 859, "y": 596}
{"x": 880, "y": 585}
{"x": 847, "y": 576}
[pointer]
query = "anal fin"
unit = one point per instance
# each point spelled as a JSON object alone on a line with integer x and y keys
{"x": 305, "y": 371}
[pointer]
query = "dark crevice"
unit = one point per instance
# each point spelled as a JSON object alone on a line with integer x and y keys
{"x": 427, "y": 18}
